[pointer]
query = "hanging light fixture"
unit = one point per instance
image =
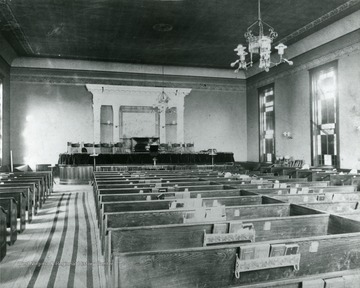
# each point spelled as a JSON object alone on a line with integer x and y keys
{"x": 259, "y": 44}
{"x": 162, "y": 99}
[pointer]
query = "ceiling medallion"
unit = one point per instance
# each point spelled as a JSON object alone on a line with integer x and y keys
{"x": 259, "y": 44}
{"x": 162, "y": 27}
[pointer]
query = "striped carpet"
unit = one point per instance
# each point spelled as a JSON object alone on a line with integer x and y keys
{"x": 60, "y": 248}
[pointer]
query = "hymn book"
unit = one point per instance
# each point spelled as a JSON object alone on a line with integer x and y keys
{"x": 277, "y": 250}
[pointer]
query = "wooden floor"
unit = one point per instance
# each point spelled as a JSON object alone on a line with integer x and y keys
{"x": 60, "y": 248}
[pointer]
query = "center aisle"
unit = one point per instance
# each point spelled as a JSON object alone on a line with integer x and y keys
{"x": 60, "y": 248}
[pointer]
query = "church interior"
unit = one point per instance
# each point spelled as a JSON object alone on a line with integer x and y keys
{"x": 178, "y": 143}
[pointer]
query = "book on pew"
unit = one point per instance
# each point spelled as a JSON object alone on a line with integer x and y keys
{"x": 262, "y": 251}
{"x": 235, "y": 227}
{"x": 220, "y": 228}
{"x": 305, "y": 190}
{"x": 178, "y": 195}
{"x": 247, "y": 252}
{"x": 337, "y": 282}
{"x": 277, "y": 250}
{"x": 293, "y": 190}
{"x": 313, "y": 283}
{"x": 291, "y": 249}
{"x": 160, "y": 196}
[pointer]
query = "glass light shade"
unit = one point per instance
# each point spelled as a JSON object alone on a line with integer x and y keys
{"x": 281, "y": 48}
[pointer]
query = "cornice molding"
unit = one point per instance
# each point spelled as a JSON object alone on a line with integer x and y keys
{"x": 103, "y": 90}
{"x": 14, "y": 27}
{"x": 71, "y": 77}
{"x": 351, "y": 49}
{"x": 319, "y": 21}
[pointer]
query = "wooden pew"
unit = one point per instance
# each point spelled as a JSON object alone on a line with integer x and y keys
{"x": 163, "y": 237}
{"x": 166, "y": 195}
{"x": 45, "y": 176}
{"x": 315, "y": 197}
{"x": 224, "y": 265}
{"x": 39, "y": 195}
{"x": 35, "y": 194}
{"x": 10, "y": 206}
{"x": 303, "y": 190}
{"x": 123, "y": 206}
{"x": 29, "y": 198}
{"x": 178, "y": 216}
{"x": 336, "y": 178}
{"x": 3, "y": 226}
{"x": 335, "y": 207}
{"x": 344, "y": 279}
{"x": 41, "y": 181}
{"x": 21, "y": 200}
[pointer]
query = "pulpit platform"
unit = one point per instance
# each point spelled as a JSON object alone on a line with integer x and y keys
{"x": 78, "y": 168}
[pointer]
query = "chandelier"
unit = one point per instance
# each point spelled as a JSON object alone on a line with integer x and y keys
{"x": 259, "y": 44}
{"x": 162, "y": 99}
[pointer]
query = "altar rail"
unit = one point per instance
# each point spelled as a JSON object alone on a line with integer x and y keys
{"x": 145, "y": 158}
{"x": 83, "y": 174}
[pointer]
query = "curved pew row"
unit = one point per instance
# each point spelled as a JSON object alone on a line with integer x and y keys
{"x": 123, "y": 206}
{"x": 114, "y": 220}
{"x": 266, "y": 222}
{"x": 162, "y": 192}
{"x": 3, "y": 226}
{"x": 21, "y": 195}
{"x": 241, "y": 264}
{"x": 36, "y": 185}
{"x": 20, "y": 198}
{"x": 9, "y": 205}
{"x": 343, "y": 279}
{"x": 347, "y": 209}
{"x": 313, "y": 197}
{"x": 33, "y": 194}
{"x": 28, "y": 195}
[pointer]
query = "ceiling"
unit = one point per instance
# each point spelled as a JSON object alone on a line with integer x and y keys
{"x": 203, "y": 33}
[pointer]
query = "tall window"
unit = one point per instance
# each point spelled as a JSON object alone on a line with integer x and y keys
{"x": 324, "y": 120}
{"x": 267, "y": 124}
{"x": 1, "y": 121}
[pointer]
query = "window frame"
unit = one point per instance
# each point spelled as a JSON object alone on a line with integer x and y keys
{"x": 261, "y": 90}
{"x": 315, "y": 72}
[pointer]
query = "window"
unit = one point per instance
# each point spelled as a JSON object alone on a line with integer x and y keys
{"x": 324, "y": 120}
{"x": 267, "y": 124}
{"x": 1, "y": 121}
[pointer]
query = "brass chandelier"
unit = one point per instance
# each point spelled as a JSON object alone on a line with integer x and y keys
{"x": 259, "y": 44}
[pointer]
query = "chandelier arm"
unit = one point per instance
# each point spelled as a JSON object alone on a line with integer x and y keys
{"x": 269, "y": 26}
{"x": 253, "y": 24}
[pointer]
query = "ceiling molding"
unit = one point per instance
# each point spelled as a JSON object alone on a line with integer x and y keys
{"x": 14, "y": 27}
{"x": 6, "y": 51}
{"x": 65, "y": 64}
{"x": 61, "y": 77}
{"x": 351, "y": 49}
{"x": 319, "y": 21}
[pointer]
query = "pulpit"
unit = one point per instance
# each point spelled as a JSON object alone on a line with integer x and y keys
{"x": 142, "y": 144}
